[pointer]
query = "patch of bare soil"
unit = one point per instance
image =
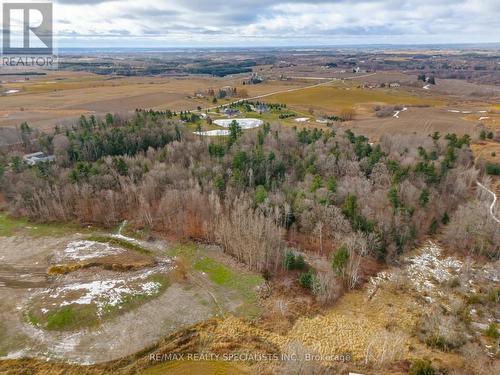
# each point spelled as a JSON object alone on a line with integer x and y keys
{"x": 46, "y": 315}
{"x": 100, "y": 301}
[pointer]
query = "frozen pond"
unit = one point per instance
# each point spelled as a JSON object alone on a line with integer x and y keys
{"x": 244, "y": 123}
{"x": 301, "y": 119}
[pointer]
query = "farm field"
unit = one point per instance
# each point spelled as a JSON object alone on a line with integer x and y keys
{"x": 58, "y": 98}
{"x": 419, "y": 120}
{"x": 336, "y": 97}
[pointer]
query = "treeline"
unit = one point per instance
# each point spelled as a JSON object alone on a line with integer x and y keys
{"x": 91, "y": 139}
{"x": 254, "y": 193}
{"x": 221, "y": 69}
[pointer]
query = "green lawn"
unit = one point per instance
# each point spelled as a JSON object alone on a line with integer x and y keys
{"x": 200, "y": 260}
{"x": 10, "y": 226}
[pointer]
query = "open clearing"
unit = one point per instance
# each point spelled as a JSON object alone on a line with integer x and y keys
{"x": 385, "y": 314}
{"x": 380, "y": 319}
{"x": 63, "y": 291}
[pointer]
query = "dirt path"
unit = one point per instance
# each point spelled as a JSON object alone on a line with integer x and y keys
{"x": 492, "y": 207}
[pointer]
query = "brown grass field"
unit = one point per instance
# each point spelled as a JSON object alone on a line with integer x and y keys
{"x": 59, "y": 97}
{"x": 339, "y": 95}
{"x": 414, "y": 120}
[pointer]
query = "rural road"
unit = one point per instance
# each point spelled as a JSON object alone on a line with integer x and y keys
{"x": 492, "y": 207}
{"x": 331, "y": 80}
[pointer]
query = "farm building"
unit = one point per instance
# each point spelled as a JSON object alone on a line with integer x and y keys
{"x": 230, "y": 112}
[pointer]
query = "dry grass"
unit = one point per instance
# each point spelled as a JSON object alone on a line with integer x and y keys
{"x": 487, "y": 150}
{"x": 197, "y": 368}
{"x": 426, "y": 120}
{"x": 125, "y": 261}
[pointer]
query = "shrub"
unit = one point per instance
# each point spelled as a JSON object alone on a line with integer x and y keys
{"x": 306, "y": 280}
{"x": 433, "y": 227}
{"x": 446, "y": 218}
{"x": 493, "y": 169}
{"x": 421, "y": 367}
{"x": 260, "y": 195}
{"x": 300, "y": 263}
{"x": 492, "y": 331}
{"x": 454, "y": 282}
{"x": 444, "y": 332}
{"x": 339, "y": 260}
{"x": 332, "y": 184}
{"x": 289, "y": 260}
{"x": 494, "y": 295}
{"x": 294, "y": 261}
{"x": 216, "y": 150}
{"x": 438, "y": 342}
{"x": 326, "y": 287}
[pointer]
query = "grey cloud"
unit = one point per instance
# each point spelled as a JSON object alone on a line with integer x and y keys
{"x": 302, "y": 19}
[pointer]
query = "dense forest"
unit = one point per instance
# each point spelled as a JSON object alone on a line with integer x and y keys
{"x": 265, "y": 196}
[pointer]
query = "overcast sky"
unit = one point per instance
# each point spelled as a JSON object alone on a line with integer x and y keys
{"x": 198, "y": 23}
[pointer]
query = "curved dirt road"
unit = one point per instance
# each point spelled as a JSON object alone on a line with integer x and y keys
{"x": 492, "y": 207}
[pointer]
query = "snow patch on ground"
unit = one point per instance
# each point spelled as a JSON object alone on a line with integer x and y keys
{"x": 84, "y": 250}
{"x": 483, "y": 118}
{"x": 424, "y": 271}
{"x": 427, "y": 268}
{"x": 301, "y": 119}
{"x": 125, "y": 238}
{"x": 244, "y": 123}
{"x": 212, "y": 133}
{"x": 396, "y": 114}
{"x": 103, "y": 292}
